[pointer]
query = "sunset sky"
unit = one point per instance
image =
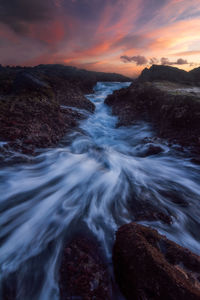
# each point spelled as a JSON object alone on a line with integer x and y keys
{"x": 121, "y": 36}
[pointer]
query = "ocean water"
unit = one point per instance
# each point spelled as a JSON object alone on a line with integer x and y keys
{"x": 92, "y": 179}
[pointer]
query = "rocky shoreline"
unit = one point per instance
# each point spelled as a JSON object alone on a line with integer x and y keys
{"x": 31, "y": 99}
{"x": 172, "y": 108}
{"x": 38, "y": 105}
{"x": 146, "y": 266}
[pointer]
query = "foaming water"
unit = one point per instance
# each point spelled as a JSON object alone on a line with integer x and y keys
{"x": 95, "y": 178}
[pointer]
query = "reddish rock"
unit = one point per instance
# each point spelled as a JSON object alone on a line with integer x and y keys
{"x": 82, "y": 272}
{"x": 149, "y": 266}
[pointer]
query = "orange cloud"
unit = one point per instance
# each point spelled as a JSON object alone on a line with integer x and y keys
{"x": 187, "y": 53}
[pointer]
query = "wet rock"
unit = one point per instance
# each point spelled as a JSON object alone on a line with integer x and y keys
{"x": 175, "y": 197}
{"x": 180, "y": 201}
{"x": 8, "y": 289}
{"x": 71, "y": 95}
{"x": 32, "y": 121}
{"x": 174, "y": 115}
{"x": 145, "y": 211}
{"x": 149, "y": 266}
{"x": 30, "y": 100}
{"x": 153, "y": 150}
{"x": 153, "y": 215}
{"x": 196, "y": 160}
{"x": 83, "y": 274}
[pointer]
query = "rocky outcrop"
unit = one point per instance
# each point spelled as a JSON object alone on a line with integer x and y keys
{"x": 35, "y": 119}
{"x": 195, "y": 74}
{"x": 83, "y": 275}
{"x": 149, "y": 266}
{"x": 31, "y": 99}
{"x": 172, "y": 109}
{"x": 28, "y": 122}
{"x": 168, "y": 73}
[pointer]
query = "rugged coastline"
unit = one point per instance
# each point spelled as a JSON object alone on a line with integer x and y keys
{"x": 172, "y": 107}
{"x": 36, "y": 103}
{"x": 82, "y": 194}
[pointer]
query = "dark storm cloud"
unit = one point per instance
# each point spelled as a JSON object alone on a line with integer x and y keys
{"x": 17, "y": 13}
{"x": 139, "y": 60}
{"x": 179, "y": 61}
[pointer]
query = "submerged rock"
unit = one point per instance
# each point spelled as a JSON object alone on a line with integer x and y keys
{"x": 8, "y": 289}
{"x": 149, "y": 266}
{"x": 153, "y": 150}
{"x": 145, "y": 211}
{"x": 83, "y": 274}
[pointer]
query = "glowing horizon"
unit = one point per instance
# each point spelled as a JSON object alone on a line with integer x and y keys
{"x": 120, "y": 36}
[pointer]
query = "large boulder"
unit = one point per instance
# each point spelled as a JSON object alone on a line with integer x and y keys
{"x": 149, "y": 266}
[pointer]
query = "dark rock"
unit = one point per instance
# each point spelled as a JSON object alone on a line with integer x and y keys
{"x": 168, "y": 73}
{"x": 195, "y": 73}
{"x": 153, "y": 150}
{"x": 9, "y": 288}
{"x": 25, "y": 81}
{"x": 160, "y": 72}
{"x": 30, "y": 102}
{"x": 172, "y": 195}
{"x": 145, "y": 211}
{"x": 152, "y": 215}
{"x": 149, "y": 266}
{"x": 83, "y": 274}
{"x": 196, "y": 160}
{"x": 175, "y": 117}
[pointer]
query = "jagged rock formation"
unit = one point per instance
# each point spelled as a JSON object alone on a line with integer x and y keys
{"x": 168, "y": 73}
